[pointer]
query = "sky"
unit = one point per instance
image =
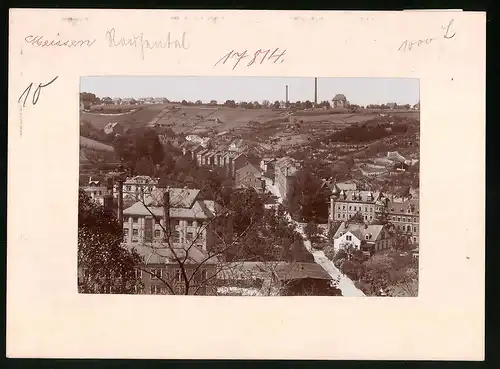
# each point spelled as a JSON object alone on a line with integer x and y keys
{"x": 361, "y": 91}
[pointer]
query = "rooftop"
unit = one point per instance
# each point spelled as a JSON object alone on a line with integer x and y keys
{"x": 360, "y": 230}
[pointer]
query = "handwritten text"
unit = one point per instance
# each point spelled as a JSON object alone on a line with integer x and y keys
{"x": 36, "y": 94}
{"x": 259, "y": 56}
{"x": 39, "y": 41}
{"x": 447, "y": 33}
{"x": 138, "y": 41}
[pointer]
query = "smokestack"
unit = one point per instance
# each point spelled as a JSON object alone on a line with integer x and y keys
{"x": 286, "y": 94}
{"x": 315, "y": 91}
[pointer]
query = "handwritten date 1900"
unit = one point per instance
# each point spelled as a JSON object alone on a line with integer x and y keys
{"x": 260, "y": 56}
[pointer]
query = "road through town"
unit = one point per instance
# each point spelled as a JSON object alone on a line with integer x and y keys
{"x": 345, "y": 284}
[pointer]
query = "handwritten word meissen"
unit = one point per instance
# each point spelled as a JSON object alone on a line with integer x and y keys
{"x": 39, "y": 41}
{"x": 448, "y": 33}
{"x": 139, "y": 41}
{"x": 259, "y": 56}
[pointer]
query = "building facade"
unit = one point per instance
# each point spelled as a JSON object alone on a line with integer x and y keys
{"x": 249, "y": 177}
{"x": 368, "y": 238}
{"x": 349, "y": 203}
{"x": 405, "y": 216}
{"x": 285, "y": 170}
{"x": 135, "y": 188}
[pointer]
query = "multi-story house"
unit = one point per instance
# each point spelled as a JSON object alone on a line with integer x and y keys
{"x": 349, "y": 203}
{"x": 160, "y": 272}
{"x": 368, "y": 238}
{"x": 404, "y": 215}
{"x": 194, "y": 227}
{"x": 285, "y": 170}
{"x": 97, "y": 193}
{"x": 136, "y": 188}
{"x": 193, "y": 220}
{"x": 249, "y": 177}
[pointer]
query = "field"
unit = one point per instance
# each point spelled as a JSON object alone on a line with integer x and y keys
{"x": 212, "y": 119}
{"x": 94, "y": 145}
{"x": 136, "y": 118}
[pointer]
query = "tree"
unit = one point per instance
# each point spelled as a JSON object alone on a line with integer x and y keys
{"x": 104, "y": 265}
{"x": 184, "y": 102}
{"x": 308, "y": 104}
{"x": 306, "y": 200}
{"x": 213, "y": 102}
{"x": 311, "y": 230}
{"x": 230, "y": 104}
{"x": 145, "y": 166}
{"x": 276, "y": 104}
{"x": 356, "y": 218}
{"x": 266, "y": 104}
{"x": 198, "y": 102}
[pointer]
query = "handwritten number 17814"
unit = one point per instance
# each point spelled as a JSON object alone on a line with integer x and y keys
{"x": 259, "y": 56}
{"x": 36, "y": 93}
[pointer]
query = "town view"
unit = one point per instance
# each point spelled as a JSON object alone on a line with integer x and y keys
{"x": 249, "y": 186}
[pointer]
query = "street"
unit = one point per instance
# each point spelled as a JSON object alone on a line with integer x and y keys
{"x": 345, "y": 284}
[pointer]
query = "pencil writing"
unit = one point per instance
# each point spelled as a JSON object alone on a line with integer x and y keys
{"x": 36, "y": 93}
{"x": 260, "y": 56}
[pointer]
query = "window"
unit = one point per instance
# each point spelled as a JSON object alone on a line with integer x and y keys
{"x": 371, "y": 210}
{"x": 178, "y": 275}
{"x": 190, "y": 235}
{"x": 189, "y": 223}
{"x": 414, "y": 220}
{"x": 129, "y": 188}
{"x": 350, "y": 207}
{"x": 338, "y": 215}
{"x": 399, "y": 219}
{"x": 135, "y": 232}
{"x": 371, "y": 217}
{"x": 343, "y": 207}
{"x": 155, "y": 290}
{"x": 176, "y": 236}
{"x": 156, "y": 273}
{"x": 125, "y": 232}
{"x": 366, "y": 217}
{"x": 343, "y": 215}
{"x": 339, "y": 207}
{"x": 135, "y": 219}
{"x": 366, "y": 209}
{"x": 203, "y": 274}
{"x": 409, "y": 211}
{"x": 135, "y": 240}
{"x": 348, "y": 237}
{"x": 157, "y": 233}
{"x": 138, "y": 273}
{"x": 414, "y": 229}
{"x": 408, "y": 228}
{"x": 157, "y": 220}
{"x": 414, "y": 239}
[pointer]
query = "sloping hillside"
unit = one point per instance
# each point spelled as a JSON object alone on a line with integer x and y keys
{"x": 139, "y": 117}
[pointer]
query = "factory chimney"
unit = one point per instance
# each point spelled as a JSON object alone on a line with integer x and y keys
{"x": 315, "y": 91}
{"x": 286, "y": 95}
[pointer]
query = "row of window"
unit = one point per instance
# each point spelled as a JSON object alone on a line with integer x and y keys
{"x": 354, "y": 208}
{"x": 175, "y": 235}
{"x": 407, "y": 228}
{"x": 403, "y": 219}
{"x": 157, "y": 273}
{"x": 343, "y": 216}
{"x": 173, "y": 222}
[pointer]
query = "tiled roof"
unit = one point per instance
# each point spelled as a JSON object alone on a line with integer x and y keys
{"x": 199, "y": 210}
{"x": 361, "y": 196}
{"x": 360, "y": 230}
{"x": 179, "y": 197}
{"x": 249, "y": 167}
{"x": 394, "y": 207}
{"x": 281, "y": 269}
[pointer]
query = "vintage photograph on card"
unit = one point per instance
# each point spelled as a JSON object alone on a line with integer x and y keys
{"x": 249, "y": 186}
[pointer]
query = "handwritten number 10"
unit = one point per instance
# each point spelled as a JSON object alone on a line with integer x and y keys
{"x": 36, "y": 94}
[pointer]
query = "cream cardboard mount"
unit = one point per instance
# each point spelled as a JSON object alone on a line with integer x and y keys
{"x": 49, "y": 50}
